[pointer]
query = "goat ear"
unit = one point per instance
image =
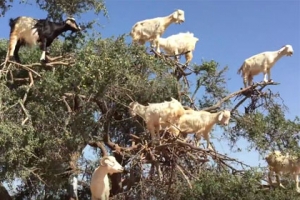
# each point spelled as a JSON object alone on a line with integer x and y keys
{"x": 175, "y": 14}
{"x": 103, "y": 161}
{"x": 108, "y": 162}
{"x": 220, "y": 116}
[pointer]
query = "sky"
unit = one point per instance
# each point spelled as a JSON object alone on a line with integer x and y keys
{"x": 228, "y": 32}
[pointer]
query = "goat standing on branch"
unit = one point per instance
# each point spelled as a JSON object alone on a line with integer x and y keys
{"x": 262, "y": 63}
{"x": 280, "y": 163}
{"x": 138, "y": 109}
{"x": 152, "y": 29}
{"x": 99, "y": 181}
{"x": 179, "y": 44}
{"x": 29, "y": 31}
{"x": 200, "y": 123}
{"x": 158, "y": 116}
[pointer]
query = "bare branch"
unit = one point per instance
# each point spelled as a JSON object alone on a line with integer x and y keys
{"x": 25, "y": 112}
{"x": 26, "y": 67}
{"x": 67, "y": 105}
{"x": 183, "y": 174}
{"x": 217, "y": 105}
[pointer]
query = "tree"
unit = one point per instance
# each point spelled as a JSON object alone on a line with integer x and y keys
{"x": 50, "y": 113}
{"x": 56, "y": 9}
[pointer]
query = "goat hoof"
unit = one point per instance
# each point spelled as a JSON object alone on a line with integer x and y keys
{"x": 11, "y": 58}
{"x": 43, "y": 61}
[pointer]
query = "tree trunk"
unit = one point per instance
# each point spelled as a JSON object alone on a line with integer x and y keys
{"x": 4, "y": 195}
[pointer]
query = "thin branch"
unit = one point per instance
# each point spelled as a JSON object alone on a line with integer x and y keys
{"x": 25, "y": 112}
{"x": 35, "y": 174}
{"x": 67, "y": 105}
{"x": 26, "y": 67}
{"x": 217, "y": 105}
{"x": 50, "y": 64}
{"x": 165, "y": 55}
{"x": 185, "y": 176}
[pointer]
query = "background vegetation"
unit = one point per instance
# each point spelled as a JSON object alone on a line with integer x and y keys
{"x": 81, "y": 99}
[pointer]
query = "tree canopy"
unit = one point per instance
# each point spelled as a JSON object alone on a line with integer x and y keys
{"x": 56, "y": 9}
{"x": 50, "y": 112}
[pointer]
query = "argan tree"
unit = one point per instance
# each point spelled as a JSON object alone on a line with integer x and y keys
{"x": 50, "y": 112}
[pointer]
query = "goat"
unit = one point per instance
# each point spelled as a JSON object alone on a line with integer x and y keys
{"x": 200, "y": 123}
{"x": 278, "y": 162}
{"x": 158, "y": 116}
{"x": 99, "y": 181}
{"x": 262, "y": 62}
{"x": 152, "y": 29}
{"x": 29, "y": 31}
{"x": 138, "y": 109}
{"x": 179, "y": 44}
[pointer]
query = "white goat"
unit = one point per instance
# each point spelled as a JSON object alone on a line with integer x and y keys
{"x": 99, "y": 181}
{"x": 262, "y": 62}
{"x": 74, "y": 182}
{"x": 179, "y": 44}
{"x": 200, "y": 123}
{"x": 158, "y": 116}
{"x": 152, "y": 29}
{"x": 137, "y": 109}
{"x": 279, "y": 163}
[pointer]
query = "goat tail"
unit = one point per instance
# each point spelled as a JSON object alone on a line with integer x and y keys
{"x": 241, "y": 68}
{"x": 11, "y": 22}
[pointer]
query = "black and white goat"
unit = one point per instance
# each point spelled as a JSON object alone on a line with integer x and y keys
{"x": 31, "y": 32}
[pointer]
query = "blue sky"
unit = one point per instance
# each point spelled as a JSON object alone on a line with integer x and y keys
{"x": 228, "y": 32}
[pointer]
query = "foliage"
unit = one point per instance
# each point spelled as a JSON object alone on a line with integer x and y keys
{"x": 56, "y": 9}
{"x": 216, "y": 186}
{"x": 267, "y": 129}
{"x": 82, "y": 100}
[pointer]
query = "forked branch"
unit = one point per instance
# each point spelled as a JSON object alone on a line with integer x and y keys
{"x": 217, "y": 105}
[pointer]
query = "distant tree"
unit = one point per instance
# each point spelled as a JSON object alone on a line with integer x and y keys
{"x": 56, "y": 9}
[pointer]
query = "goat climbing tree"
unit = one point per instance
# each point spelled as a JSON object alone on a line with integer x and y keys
{"x": 50, "y": 113}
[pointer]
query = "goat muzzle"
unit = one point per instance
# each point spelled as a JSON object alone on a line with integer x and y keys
{"x": 180, "y": 21}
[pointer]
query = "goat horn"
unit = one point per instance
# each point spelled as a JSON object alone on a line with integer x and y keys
{"x": 71, "y": 18}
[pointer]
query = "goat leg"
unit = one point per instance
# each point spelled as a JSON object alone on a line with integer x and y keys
{"x": 269, "y": 178}
{"x": 265, "y": 77}
{"x": 13, "y": 40}
{"x": 16, "y": 52}
{"x": 44, "y": 49}
{"x": 278, "y": 180}
{"x": 269, "y": 76}
{"x": 297, "y": 182}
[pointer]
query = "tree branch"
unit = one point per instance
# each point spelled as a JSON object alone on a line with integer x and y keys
{"x": 217, "y": 105}
{"x": 4, "y": 193}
